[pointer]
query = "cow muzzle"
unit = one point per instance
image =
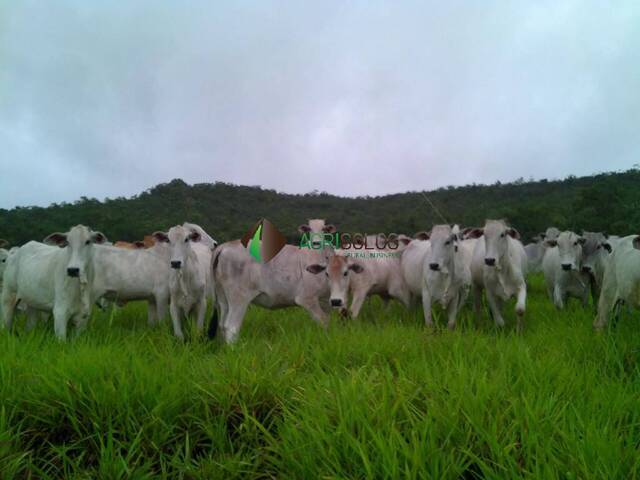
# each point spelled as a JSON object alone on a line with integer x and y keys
{"x": 490, "y": 262}
{"x": 336, "y": 302}
{"x": 586, "y": 269}
{"x": 176, "y": 264}
{"x": 434, "y": 266}
{"x": 73, "y": 272}
{"x": 566, "y": 267}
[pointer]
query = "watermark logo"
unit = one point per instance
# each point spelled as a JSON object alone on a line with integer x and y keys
{"x": 350, "y": 241}
{"x": 263, "y": 241}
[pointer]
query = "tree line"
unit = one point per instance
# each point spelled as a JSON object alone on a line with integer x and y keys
{"x": 606, "y": 202}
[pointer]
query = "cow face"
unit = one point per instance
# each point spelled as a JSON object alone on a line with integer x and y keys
{"x": 496, "y": 236}
{"x": 338, "y": 272}
{"x": 179, "y": 241}
{"x": 79, "y": 243}
{"x": 4, "y": 254}
{"x": 318, "y": 226}
{"x": 569, "y": 250}
{"x": 444, "y": 245}
{"x": 595, "y": 246}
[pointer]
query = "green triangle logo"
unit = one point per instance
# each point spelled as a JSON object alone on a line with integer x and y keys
{"x": 254, "y": 245}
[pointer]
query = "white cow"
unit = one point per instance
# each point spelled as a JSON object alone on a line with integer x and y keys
{"x": 446, "y": 272}
{"x": 317, "y": 225}
{"x": 189, "y": 277}
{"x": 53, "y": 278}
{"x": 124, "y": 275}
{"x": 412, "y": 261}
{"x": 621, "y": 281}
{"x": 290, "y": 278}
{"x": 364, "y": 273}
{"x": 562, "y": 267}
{"x": 499, "y": 266}
{"x": 595, "y": 256}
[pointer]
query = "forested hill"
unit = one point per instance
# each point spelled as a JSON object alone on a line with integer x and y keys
{"x": 608, "y": 202}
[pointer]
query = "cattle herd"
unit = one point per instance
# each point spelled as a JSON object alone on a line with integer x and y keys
{"x": 181, "y": 270}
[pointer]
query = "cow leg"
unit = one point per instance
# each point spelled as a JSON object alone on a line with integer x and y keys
{"x": 477, "y": 302}
{"x": 201, "y": 311}
{"x": 60, "y": 321}
{"x": 152, "y": 313}
{"x": 558, "y": 297}
{"x": 401, "y": 294}
{"x": 426, "y": 305}
{"x": 233, "y": 322}
{"x": 80, "y": 321}
{"x": 521, "y": 304}
{"x": 494, "y": 305}
{"x": 8, "y": 308}
{"x": 312, "y": 305}
{"x": 357, "y": 301}
{"x": 32, "y": 319}
{"x": 176, "y": 318}
{"x": 452, "y": 310}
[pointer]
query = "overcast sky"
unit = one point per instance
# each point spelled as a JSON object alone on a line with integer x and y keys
{"x": 343, "y": 96}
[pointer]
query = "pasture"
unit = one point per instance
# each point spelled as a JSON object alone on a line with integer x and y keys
{"x": 376, "y": 397}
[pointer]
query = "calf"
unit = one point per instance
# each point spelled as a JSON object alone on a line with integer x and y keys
{"x": 446, "y": 274}
{"x": 499, "y": 266}
{"x": 189, "y": 275}
{"x": 595, "y": 256}
{"x": 290, "y": 278}
{"x": 374, "y": 272}
{"x": 124, "y": 275}
{"x": 53, "y": 278}
{"x": 562, "y": 267}
{"x": 621, "y": 281}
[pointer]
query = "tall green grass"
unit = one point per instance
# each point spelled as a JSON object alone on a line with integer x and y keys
{"x": 379, "y": 397}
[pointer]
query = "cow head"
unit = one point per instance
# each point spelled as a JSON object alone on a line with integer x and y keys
{"x": 569, "y": 250}
{"x": 319, "y": 227}
{"x": 496, "y": 237}
{"x": 594, "y": 247}
{"x": 338, "y": 271}
{"x": 444, "y": 245}
{"x": 179, "y": 240}
{"x": 79, "y": 243}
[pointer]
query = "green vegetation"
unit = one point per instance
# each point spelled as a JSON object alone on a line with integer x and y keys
{"x": 380, "y": 397}
{"x": 606, "y": 202}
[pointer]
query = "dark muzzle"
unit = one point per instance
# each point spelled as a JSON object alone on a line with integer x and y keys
{"x": 336, "y": 302}
{"x": 73, "y": 272}
{"x": 490, "y": 262}
{"x": 566, "y": 267}
{"x": 434, "y": 266}
{"x": 176, "y": 264}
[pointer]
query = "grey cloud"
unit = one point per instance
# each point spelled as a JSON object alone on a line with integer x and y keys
{"x": 348, "y": 97}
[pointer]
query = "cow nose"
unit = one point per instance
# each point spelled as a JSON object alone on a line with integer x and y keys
{"x": 73, "y": 272}
{"x": 176, "y": 264}
{"x": 490, "y": 262}
{"x": 336, "y": 302}
{"x": 434, "y": 266}
{"x": 566, "y": 267}
{"x": 586, "y": 269}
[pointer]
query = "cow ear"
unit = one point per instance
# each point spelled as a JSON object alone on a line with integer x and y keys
{"x": 513, "y": 233}
{"x": 160, "y": 237}
{"x": 404, "y": 240}
{"x": 59, "y": 239}
{"x": 474, "y": 233}
{"x": 3, "y": 243}
{"x": 582, "y": 240}
{"x": 355, "y": 268}
{"x": 139, "y": 244}
{"x": 422, "y": 236}
{"x": 607, "y": 246}
{"x": 194, "y": 236}
{"x": 304, "y": 228}
{"x": 98, "y": 237}
{"x": 315, "y": 268}
{"x": 329, "y": 228}
{"x": 551, "y": 243}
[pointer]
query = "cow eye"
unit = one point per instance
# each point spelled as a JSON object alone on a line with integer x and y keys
{"x": 87, "y": 242}
{"x": 598, "y": 247}
{"x": 4, "y": 260}
{"x": 575, "y": 244}
{"x": 502, "y": 235}
{"x": 186, "y": 240}
{"x": 346, "y": 272}
{"x": 448, "y": 242}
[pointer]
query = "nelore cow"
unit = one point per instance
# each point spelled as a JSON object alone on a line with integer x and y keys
{"x": 621, "y": 282}
{"x": 290, "y": 278}
{"x": 595, "y": 256}
{"x": 358, "y": 274}
{"x": 499, "y": 267}
{"x": 189, "y": 256}
{"x": 412, "y": 262}
{"x": 563, "y": 269}
{"x": 446, "y": 274}
{"x": 53, "y": 277}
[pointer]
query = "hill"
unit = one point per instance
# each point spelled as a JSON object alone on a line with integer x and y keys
{"x": 609, "y": 202}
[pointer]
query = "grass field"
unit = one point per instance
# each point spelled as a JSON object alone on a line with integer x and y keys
{"x": 380, "y": 397}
